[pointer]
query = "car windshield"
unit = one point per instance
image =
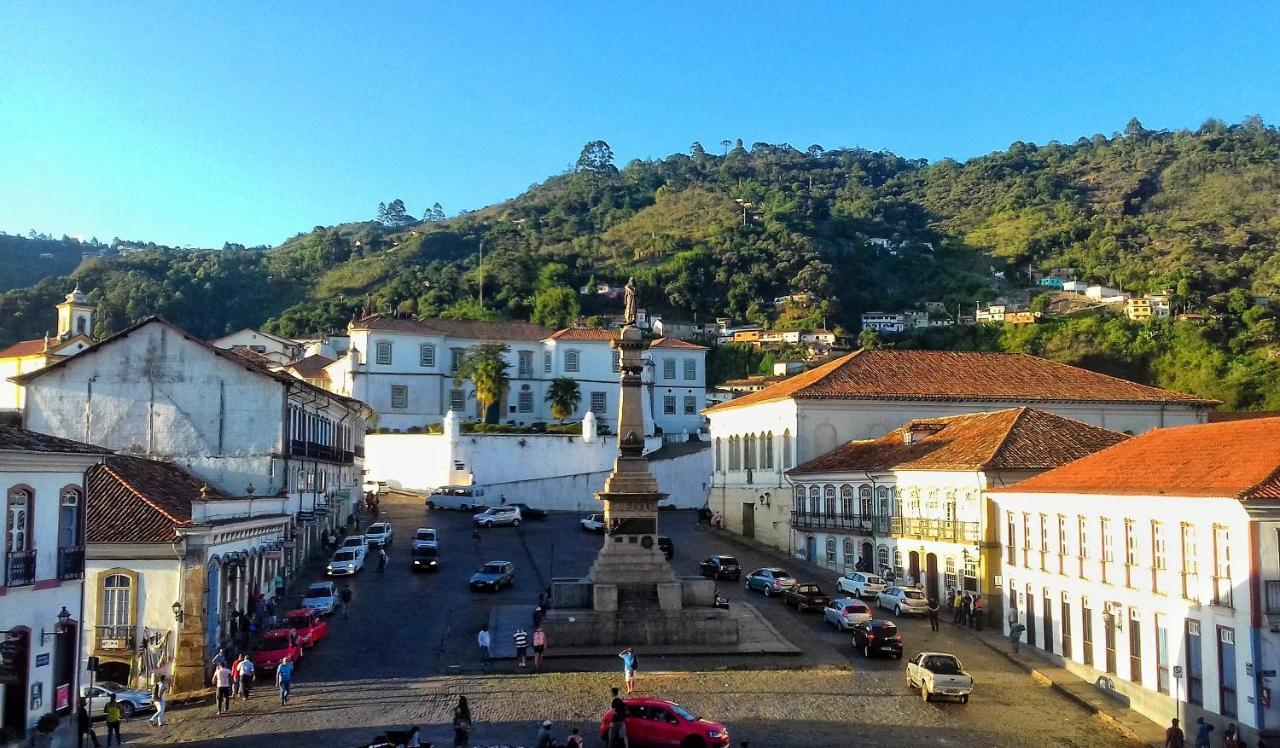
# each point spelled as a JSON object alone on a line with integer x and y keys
{"x": 425, "y": 551}
{"x": 491, "y": 569}
{"x": 779, "y": 574}
{"x": 344, "y": 556}
{"x": 685, "y": 714}
{"x": 110, "y": 685}
{"x": 425, "y": 535}
{"x": 857, "y": 607}
{"x": 913, "y": 595}
{"x": 318, "y": 592}
{"x": 275, "y": 638}
{"x": 353, "y": 542}
{"x": 728, "y": 561}
{"x": 808, "y": 589}
{"x": 942, "y": 665}
{"x": 376, "y": 529}
{"x": 298, "y": 622}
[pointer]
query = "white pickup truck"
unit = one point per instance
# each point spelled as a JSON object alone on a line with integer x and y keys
{"x": 939, "y": 674}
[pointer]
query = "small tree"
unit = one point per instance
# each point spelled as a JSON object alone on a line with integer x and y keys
{"x": 564, "y": 397}
{"x": 555, "y": 307}
{"x": 870, "y": 339}
{"x": 485, "y": 366}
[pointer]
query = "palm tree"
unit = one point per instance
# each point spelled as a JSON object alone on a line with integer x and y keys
{"x": 564, "y": 396}
{"x": 485, "y": 366}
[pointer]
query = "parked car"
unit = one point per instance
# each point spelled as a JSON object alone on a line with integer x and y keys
{"x": 720, "y": 567}
{"x": 666, "y": 546}
{"x": 356, "y": 543}
{"x": 321, "y": 597}
{"x": 903, "y": 600}
{"x": 274, "y": 646}
{"x": 424, "y": 536}
{"x": 310, "y": 624}
{"x": 529, "y": 513}
{"x": 770, "y": 581}
{"x": 877, "y": 637}
{"x": 498, "y": 515}
{"x": 592, "y": 523}
{"x": 378, "y": 534}
{"x": 426, "y": 557}
{"x": 656, "y": 722}
{"x": 939, "y": 674}
{"x": 345, "y": 562}
{"x": 804, "y": 596}
{"x": 494, "y": 576}
{"x": 132, "y": 700}
{"x": 861, "y": 584}
{"x": 846, "y": 612}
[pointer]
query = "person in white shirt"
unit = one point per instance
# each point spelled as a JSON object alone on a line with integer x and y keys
{"x": 245, "y": 667}
{"x": 484, "y": 640}
{"x": 222, "y": 681}
{"x": 159, "y": 697}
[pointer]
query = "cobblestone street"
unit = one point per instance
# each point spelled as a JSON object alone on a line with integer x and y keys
{"x": 408, "y": 652}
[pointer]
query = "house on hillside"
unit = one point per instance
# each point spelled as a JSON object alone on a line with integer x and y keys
{"x": 758, "y": 436}
{"x": 884, "y": 322}
{"x": 279, "y": 350}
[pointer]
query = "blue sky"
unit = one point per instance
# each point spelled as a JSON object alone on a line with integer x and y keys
{"x": 199, "y": 123}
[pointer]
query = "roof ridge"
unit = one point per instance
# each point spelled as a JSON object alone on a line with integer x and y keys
{"x": 134, "y": 490}
{"x": 1020, "y": 412}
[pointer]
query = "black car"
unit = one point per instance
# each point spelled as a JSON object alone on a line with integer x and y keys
{"x": 878, "y": 637}
{"x": 426, "y": 558}
{"x": 665, "y": 545}
{"x": 528, "y": 512}
{"x": 721, "y": 567}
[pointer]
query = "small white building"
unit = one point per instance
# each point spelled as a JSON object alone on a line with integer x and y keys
{"x": 279, "y": 350}
{"x": 884, "y": 321}
{"x": 41, "y": 580}
{"x": 1153, "y": 569}
{"x": 1074, "y": 286}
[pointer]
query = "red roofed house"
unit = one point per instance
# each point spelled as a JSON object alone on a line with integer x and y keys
{"x": 1158, "y": 558}
{"x": 909, "y": 505}
{"x": 761, "y": 435}
{"x": 75, "y": 333}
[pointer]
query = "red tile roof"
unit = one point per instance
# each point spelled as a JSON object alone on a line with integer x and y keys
{"x": 958, "y": 376}
{"x": 136, "y": 500}
{"x": 676, "y": 343}
{"x": 14, "y": 439}
{"x": 1239, "y": 459}
{"x": 458, "y": 328}
{"x": 311, "y": 367}
{"x": 583, "y": 333}
{"x": 24, "y": 348}
{"x": 1012, "y": 439}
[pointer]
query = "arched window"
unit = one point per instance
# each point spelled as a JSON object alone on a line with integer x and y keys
{"x": 864, "y": 501}
{"x": 719, "y": 466}
{"x": 802, "y": 494}
{"x": 815, "y": 500}
{"x": 846, "y": 500}
{"x": 17, "y": 534}
{"x": 847, "y": 552}
{"x": 829, "y": 503}
{"x": 786, "y": 449}
{"x": 831, "y": 551}
{"x": 116, "y": 613}
{"x": 883, "y": 505}
{"x": 426, "y": 355}
{"x": 571, "y": 361}
{"x": 897, "y": 562}
{"x": 735, "y": 458}
{"x": 768, "y": 450}
{"x": 882, "y": 558}
{"x": 69, "y": 518}
{"x": 82, "y": 325}
{"x": 383, "y": 352}
{"x": 749, "y": 452}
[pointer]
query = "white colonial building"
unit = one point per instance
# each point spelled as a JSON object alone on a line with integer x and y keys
{"x": 405, "y": 369}
{"x": 75, "y": 333}
{"x": 274, "y": 348}
{"x": 759, "y": 436}
{"x": 1153, "y": 569}
{"x": 43, "y": 479}
{"x": 909, "y": 505}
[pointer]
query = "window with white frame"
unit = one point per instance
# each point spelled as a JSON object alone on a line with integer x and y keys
{"x": 1063, "y": 544}
{"x": 690, "y": 369}
{"x": 1011, "y": 537}
{"x": 598, "y": 403}
{"x": 616, "y": 360}
{"x": 1026, "y": 540}
{"x": 1044, "y": 542}
{"x": 546, "y": 362}
{"x": 691, "y": 405}
{"x": 1083, "y": 547}
{"x": 847, "y": 551}
{"x": 571, "y": 361}
{"x": 882, "y": 558}
{"x": 668, "y": 368}
{"x": 1130, "y": 552}
{"x": 1221, "y": 566}
{"x": 399, "y": 396}
{"x": 669, "y": 405}
{"x": 1190, "y": 563}
{"x": 1158, "y": 562}
{"x": 457, "y": 401}
{"x": 383, "y": 352}
{"x": 846, "y": 500}
{"x": 116, "y": 615}
{"x": 524, "y": 366}
{"x": 525, "y": 403}
{"x": 455, "y": 358}
{"x": 426, "y": 355}
{"x": 831, "y": 550}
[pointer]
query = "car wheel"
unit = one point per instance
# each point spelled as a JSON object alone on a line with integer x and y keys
{"x": 746, "y": 586}
{"x": 431, "y": 505}
{"x": 801, "y": 607}
{"x": 768, "y": 591}
{"x": 866, "y": 651}
{"x": 964, "y": 699}
{"x": 897, "y": 610}
{"x": 515, "y": 523}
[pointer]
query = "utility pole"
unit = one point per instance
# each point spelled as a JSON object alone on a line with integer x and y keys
{"x": 480, "y": 270}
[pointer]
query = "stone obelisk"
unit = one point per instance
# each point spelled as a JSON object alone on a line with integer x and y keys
{"x": 630, "y": 570}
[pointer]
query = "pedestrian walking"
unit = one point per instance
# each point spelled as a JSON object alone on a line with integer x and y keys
{"x": 112, "y": 710}
{"x": 1202, "y": 732}
{"x": 235, "y": 675}
{"x": 574, "y": 740}
{"x": 1015, "y": 635}
{"x": 956, "y": 602}
{"x": 382, "y": 559}
{"x": 475, "y": 537}
{"x": 1231, "y": 738}
{"x": 539, "y": 646}
{"x": 483, "y": 640}
{"x": 522, "y": 644}
{"x": 629, "y": 664}
{"x": 966, "y": 607}
{"x": 461, "y": 723}
{"x": 84, "y": 724}
{"x": 284, "y": 680}
{"x": 1173, "y": 737}
{"x": 543, "y": 739}
{"x": 345, "y": 596}
{"x": 618, "y": 725}
{"x": 219, "y": 659}
{"x": 933, "y": 613}
{"x": 222, "y": 682}
{"x": 159, "y": 699}
{"x": 246, "y": 677}
{"x": 979, "y": 612}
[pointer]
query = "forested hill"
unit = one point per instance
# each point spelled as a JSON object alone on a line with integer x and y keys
{"x": 724, "y": 229}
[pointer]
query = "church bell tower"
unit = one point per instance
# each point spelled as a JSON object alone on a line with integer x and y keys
{"x": 75, "y": 315}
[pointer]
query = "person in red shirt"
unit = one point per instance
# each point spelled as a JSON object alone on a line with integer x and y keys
{"x": 1173, "y": 737}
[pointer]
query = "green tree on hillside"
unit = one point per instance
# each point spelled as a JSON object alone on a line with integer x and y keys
{"x": 485, "y": 366}
{"x": 555, "y": 307}
{"x": 564, "y": 396}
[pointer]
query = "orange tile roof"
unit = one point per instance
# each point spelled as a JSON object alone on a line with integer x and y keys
{"x": 137, "y": 500}
{"x": 1239, "y": 459}
{"x": 24, "y": 348}
{"x": 887, "y": 374}
{"x": 1011, "y": 439}
{"x": 676, "y": 343}
{"x": 583, "y": 334}
{"x": 311, "y": 367}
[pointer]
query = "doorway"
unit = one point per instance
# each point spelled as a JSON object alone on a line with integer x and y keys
{"x": 810, "y": 549}
{"x": 1048, "y": 620}
{"x": 1086, "y": 632}
{"x": 1109, "y": 635}
{"x": 748, "y": 519}
{"x": 64, "y": 667}
{"x": 17, "y": 644}
{"x": 913, "y": 567}
{"x": 867, "y": 554}
{"x": 1031, "y": 618}
{"x": 931, "y": 576}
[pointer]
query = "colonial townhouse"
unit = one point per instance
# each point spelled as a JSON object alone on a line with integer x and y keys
{"x": 155, "y": 391}
{"x": 909, "y": 504}
{"x": 407, "y": 371}
{"x": 170, "y": 560}
{"x": 75, "y": 333}
{"x": 1153, "y": 567}
{"x": 43, "y": 479}
{"x": 761, "y": 435}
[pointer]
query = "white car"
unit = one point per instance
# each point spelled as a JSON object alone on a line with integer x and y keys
{"x": 861, "y": 584}
{"x": 345, "y": 561}
{"x": 592, "y": 523}
{"x": 379, "y": 533}
{"x": 939, "y": 674}
{"x": 354, "y": 542}
{"x": 846, "y": 613}
{"x": 321, "y": 597}
{"x": 498, "y": 515}
{"x": 903, "y": 601}
{"x": 424, "y": 536}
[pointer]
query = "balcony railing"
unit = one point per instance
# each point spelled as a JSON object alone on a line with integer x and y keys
{"x": 864, "y": 524}
{"x": 300, "y": 448}
{"x": 20, "y": 568}
{"x": 935, "y": 529}
{"x": 116, "y": 638}
{"x": 928, "y": 529}
{"x": 71, "y": 562}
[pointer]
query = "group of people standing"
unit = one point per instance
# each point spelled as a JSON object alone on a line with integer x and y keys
{"x": 968, "y": 610}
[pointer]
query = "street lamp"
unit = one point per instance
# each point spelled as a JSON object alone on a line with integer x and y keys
{"x": 61, "y": 628}
{"x": 177, "y": 612}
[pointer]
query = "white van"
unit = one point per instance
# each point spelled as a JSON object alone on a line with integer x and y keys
{"x": 465, "y": 498}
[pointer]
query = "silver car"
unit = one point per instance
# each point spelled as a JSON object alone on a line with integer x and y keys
{"x": 131, "y": 700}
{"x": 498, "y": 515}
{"x": 903, "y": 601}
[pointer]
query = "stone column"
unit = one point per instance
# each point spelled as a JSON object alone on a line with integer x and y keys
{"x": 192, "y": 647}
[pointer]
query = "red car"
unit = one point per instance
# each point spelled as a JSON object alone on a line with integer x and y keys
{"x": 310, "y": 624}
{"x": 276, "y": 644}
{"x": 655, "y": 722}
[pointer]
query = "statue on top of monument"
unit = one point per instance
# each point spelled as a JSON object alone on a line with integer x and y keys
{"x": 629, "y": 311}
